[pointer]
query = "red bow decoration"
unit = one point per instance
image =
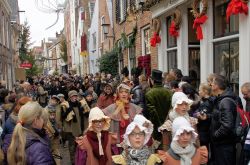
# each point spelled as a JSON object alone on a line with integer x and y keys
{"x": 236, "y": 7}
{"x": 173, "y": 30}
{"x": 155, "y": 39}
{"x": 197, "y": 25}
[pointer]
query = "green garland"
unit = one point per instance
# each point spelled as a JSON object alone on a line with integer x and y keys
{"x": 133, "y": 37}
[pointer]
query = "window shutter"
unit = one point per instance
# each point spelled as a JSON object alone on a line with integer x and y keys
{"x": 124, "y": 8}
{"x": 117, "y": 10}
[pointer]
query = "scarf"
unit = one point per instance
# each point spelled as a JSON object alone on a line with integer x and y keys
{"x": 173, "y": 114}
{"x": 186, "y": 153}
{"x": 98, "y": 142}
{"x": 137, "y": 157}
{"x": 72, "y": 105}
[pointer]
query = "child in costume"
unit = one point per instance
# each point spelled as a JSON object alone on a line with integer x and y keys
{"x": 136, "y": 151}
{"x": 182, "y": 149}
{"x": 94, "y": 147}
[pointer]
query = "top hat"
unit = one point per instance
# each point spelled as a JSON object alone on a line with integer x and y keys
{"x": 156, "y": 75}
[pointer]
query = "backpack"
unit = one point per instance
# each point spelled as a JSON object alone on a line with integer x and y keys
{"x": 241, "y": 123}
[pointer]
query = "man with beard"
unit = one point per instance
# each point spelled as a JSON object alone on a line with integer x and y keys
{"x": 106, "y": 98}
{"x": 73, "y": 121}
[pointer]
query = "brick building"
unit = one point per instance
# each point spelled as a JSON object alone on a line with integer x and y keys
{"x": 136, "y": 26}
{"x": 6, "y": 52}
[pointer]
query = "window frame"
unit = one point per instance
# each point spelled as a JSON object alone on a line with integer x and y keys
{"x": 229, "y": 41}
{"x": 225, "y": 34}
{"x": 144, "y": 45}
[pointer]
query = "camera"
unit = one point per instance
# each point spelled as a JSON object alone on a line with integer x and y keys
{"x": 203, "y": 112}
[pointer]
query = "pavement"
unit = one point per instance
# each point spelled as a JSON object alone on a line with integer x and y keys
{"x": 65, "y": 155}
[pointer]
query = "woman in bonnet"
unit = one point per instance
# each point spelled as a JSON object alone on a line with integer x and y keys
{"x": 122, "y": 112}
{"x": 182, "y": 149}
{"x": 94, "y": 148}
{"x": 136, "y": 151}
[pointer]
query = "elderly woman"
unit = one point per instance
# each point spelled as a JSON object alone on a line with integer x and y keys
{"x": 182, "y": 149}
{"x": 136, "y": 152}
{"x": 122, "y": 112}
{"x": 94, "y": 148}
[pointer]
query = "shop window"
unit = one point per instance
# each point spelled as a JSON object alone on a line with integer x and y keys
{"x": 172, "y": 59}
{"x": 221, "y": 27}
{"x": 226, "y": 62}
{"x": 171, "y": 41}
{"x": 146, "y": 41}
{"x": 194, "y": 66}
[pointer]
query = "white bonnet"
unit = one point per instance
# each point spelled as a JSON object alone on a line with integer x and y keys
{"x": 143, "y": 124}
{"x": 180, "y": 124}
{"x": 179, "y": 98}
{"x": 97, "y": 114}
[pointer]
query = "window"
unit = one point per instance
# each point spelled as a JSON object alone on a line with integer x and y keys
{"x": 146, "y": 41}
{"x": 120, "y": 57}
{"x": 3, "y": 31}
{"x": 91, "y": 9}
{"x": 171, "y": 41}
{"x": 171, "y": 47}
{"x": 226, "y": 61}
{"x": 221, "y": 27}
{"x": 132, "y": 55}
{"x": 194, "y": 66}
{"x": 192, "y": 39}
{"x": 7, "y": 34}
{"x": 94, "y": 41}
{"x": 172, "y": 59}
{"x": 102, "y": 30}
{"x": 193, "y": 52}
{"x": 121, "y": 10}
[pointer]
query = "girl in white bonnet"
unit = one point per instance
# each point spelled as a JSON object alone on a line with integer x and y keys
{"x": 181, "y": 104}
{"x": 94, "y": 148}
{"x": 182, "y": 148}
{"x": 136, "y": 152}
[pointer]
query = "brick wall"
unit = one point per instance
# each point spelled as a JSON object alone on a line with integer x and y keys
{"x": 144, "y": 19}
{"x": 107, "y": 43}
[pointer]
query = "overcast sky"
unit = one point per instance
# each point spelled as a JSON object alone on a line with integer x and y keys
{"x": 39, "y": 20}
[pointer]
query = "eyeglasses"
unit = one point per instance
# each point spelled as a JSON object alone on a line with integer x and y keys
{"x": 98, "y": 121}
{"x": 139, "y": 134}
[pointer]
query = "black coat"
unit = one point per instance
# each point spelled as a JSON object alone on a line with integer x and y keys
{"x": 205, "y": 106}
{"x": 223, "y": 119}
{"x": 137, "y": 97}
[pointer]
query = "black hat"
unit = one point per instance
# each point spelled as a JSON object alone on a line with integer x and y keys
{"x": 157, "y": 75}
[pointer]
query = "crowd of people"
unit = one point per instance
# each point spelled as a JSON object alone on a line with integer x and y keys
{"x": 137, "y": 120}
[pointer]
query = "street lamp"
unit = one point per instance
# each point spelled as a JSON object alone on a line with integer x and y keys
{"x": 106, "y": 30}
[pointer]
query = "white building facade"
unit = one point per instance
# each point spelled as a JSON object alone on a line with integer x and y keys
{"x": 224, "y": 49}
{"x": 94, "y": 52}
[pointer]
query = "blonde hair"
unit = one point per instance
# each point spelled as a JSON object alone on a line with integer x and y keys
{"x": 27, "y": 114}
{"x": 206, "y": 87}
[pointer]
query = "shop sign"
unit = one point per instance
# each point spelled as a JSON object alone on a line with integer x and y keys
{"x": 26, "y": 65}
